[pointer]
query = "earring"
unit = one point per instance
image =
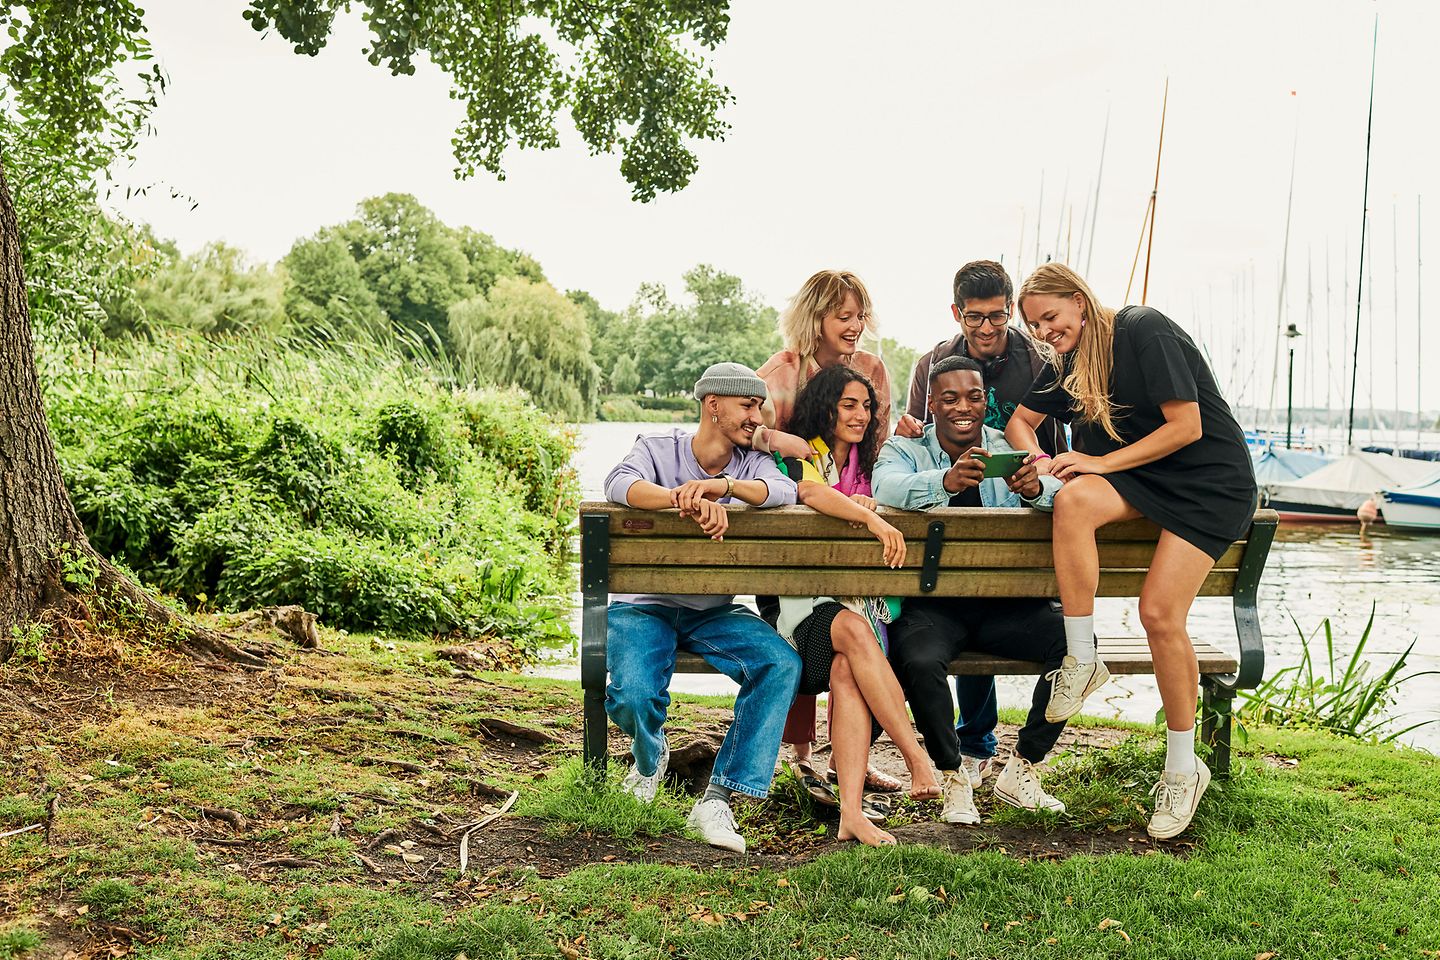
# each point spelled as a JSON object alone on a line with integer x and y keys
{"x": 714, "y": 419}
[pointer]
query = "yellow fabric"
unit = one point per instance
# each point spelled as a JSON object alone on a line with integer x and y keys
{"x": 808, "y": 471}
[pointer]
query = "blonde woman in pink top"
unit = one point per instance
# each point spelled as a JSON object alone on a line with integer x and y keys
{"x": 820, "y": 327}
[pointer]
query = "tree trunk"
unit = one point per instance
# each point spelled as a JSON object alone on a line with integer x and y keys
{"x": 36, "y": 515}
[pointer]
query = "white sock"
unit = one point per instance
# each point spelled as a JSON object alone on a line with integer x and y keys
{"x": 1080, "y": 638}
{"x": 1180, "y": 752}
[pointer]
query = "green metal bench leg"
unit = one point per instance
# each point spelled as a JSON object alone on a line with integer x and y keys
{"x": 1215, "y": 719}
{"x": 594, "y": 629}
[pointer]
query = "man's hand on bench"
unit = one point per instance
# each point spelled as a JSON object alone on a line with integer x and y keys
{"x": 688, "y": 495}
{"x": 711, "y": 516}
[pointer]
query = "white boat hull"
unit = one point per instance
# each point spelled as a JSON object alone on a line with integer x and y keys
{"x": 1412, "y": 516}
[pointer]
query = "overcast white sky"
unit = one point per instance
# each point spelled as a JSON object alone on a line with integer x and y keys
{"x": 898, "y": 141}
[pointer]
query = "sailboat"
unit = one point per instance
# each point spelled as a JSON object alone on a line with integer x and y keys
{"x": 1336, "y": 491}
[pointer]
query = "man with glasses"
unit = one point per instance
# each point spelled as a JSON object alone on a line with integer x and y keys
{"x": 984, "y": 304}
{"x": 1009, "y": 363}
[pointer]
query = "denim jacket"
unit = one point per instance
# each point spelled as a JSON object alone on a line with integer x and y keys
{"x": 910, "y": 474}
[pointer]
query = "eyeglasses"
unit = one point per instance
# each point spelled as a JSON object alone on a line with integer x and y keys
{"x": 976, "y": 320}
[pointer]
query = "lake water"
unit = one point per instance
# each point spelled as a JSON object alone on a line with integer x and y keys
{"x": 1314, "y": 571}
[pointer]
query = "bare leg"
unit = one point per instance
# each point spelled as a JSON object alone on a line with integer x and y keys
{"x": 1083, "y": 506}
{"x": 852, "y": 638}
{"x": 850, "y": 749}
{"x": 1176, "y": 575}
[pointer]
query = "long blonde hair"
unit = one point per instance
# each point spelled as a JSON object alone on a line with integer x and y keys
{"x": 822, "y": 294}
{"x": 1089, "y": 379}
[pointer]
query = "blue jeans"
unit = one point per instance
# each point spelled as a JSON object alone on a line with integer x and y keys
{"x": 978, "y": 716}
{"x": 642, "y": 640}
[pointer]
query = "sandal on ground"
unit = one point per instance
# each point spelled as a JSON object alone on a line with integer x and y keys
{"x": 874, "y": 780}
{"x": 875, "y": 807}
{"x": 819, "y": 790}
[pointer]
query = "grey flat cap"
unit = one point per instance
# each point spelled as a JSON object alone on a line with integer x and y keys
{"x": 729, "y": 380}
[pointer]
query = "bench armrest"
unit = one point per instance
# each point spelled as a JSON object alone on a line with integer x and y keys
{"x": 1247, "y": 613}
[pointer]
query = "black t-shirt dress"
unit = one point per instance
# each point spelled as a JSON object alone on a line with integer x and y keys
{"x": 1204, "y": 492}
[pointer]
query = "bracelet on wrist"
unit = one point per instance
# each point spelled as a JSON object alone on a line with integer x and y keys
{"x": 1041, "y": 456}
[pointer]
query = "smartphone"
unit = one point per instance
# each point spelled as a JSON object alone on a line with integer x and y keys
{"x": 1004, "y": 465}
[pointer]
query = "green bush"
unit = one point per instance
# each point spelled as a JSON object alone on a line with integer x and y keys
{"x": 623, "y": 409}
{"x": 348, "y": 478}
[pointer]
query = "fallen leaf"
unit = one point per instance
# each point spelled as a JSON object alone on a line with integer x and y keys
{"x": 1107, "y": 923}
{"x": 1267, "y": 955}
{"x": 411, "y": 857}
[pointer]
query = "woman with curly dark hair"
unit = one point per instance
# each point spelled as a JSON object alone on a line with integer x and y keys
{"x": 841, "y": 641}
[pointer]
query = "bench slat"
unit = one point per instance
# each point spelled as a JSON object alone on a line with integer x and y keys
{"x": 972, "y": 582}
{"x": 961, "y": 523}
{"x": 1126, "y": 662}
{"x": 702, "y": 551}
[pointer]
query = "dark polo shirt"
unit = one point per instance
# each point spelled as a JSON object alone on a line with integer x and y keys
{"x": 1008, "y": 379}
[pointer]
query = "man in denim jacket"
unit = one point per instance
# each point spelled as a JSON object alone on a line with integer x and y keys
{"x": 945, "y": 467}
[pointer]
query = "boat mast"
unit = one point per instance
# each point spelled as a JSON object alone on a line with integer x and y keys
{"x": 1095, "y": 215}
{"x": 1149, "y": 217}
{"x": 1395, "y": 248}
{"x": 1364, "y": 210}
{"x": 1419, "y": 327}
{"x": 1280, "y": 328}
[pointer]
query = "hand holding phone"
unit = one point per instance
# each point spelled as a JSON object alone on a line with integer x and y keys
{"x": 1004, "y": 465}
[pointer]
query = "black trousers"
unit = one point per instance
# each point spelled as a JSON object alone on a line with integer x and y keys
{"x": 932, "y": 631}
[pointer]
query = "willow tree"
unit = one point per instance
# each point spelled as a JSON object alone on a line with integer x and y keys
{"x": 631, "y": 76}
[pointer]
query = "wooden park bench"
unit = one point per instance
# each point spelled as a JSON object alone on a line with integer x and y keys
{"x": 951, "y": 552}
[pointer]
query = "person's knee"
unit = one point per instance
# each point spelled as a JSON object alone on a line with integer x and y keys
{"x": 1078, "y": 503}
{"x": 784, "y": 667}
{"x": 848, "y": 631}
{"x": 841, "y": 675}
{"x": 1163, "y": 621}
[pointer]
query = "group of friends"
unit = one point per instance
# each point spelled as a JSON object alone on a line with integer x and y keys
{"x": 1149, "y": 435}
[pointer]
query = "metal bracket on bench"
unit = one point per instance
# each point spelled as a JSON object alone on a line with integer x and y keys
{"x": 930, "y": 566}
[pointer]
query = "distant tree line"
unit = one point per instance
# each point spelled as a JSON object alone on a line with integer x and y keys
{"x": 397, "y": 272}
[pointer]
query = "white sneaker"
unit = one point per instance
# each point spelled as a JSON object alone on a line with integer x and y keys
{"x": 974, "y": 768}
{"x": 715, "y": 821}
{"x": 959, "y": 798}
{"x": 1176, "y": 799}
{"x": 644, "y": 788}
{"x": 1071, "y": 684}
{"x": 1018, "y": 786}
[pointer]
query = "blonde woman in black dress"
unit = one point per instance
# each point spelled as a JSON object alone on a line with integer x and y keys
{"x": 1152, "y": 437}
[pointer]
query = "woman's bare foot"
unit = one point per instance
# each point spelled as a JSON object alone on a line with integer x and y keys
{"x": 856, "y": 827}
{"x": 923, "y": 785}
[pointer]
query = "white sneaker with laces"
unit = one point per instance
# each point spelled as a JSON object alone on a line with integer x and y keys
{"x": 1018, "y": 786}
{"x": 975, "y": 768}
{"x": 1070, "y": 684}
{"x": 715, "y": 821}
{"x": 644, "y": 788}
{"x": 1176, "y": 799}
{"x": 959, "y": 798}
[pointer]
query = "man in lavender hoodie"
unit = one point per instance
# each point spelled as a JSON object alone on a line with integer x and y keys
{"x": 699, "y": 473}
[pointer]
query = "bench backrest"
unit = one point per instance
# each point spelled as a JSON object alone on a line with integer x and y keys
{"x": 952, "y": 551}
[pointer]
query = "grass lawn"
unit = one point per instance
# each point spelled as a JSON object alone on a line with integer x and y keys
{"x": 317, "y": 811}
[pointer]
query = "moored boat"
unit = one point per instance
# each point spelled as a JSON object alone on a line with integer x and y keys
{"x": 1334, "y": 492}
{"x": 1413, "y": 508}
